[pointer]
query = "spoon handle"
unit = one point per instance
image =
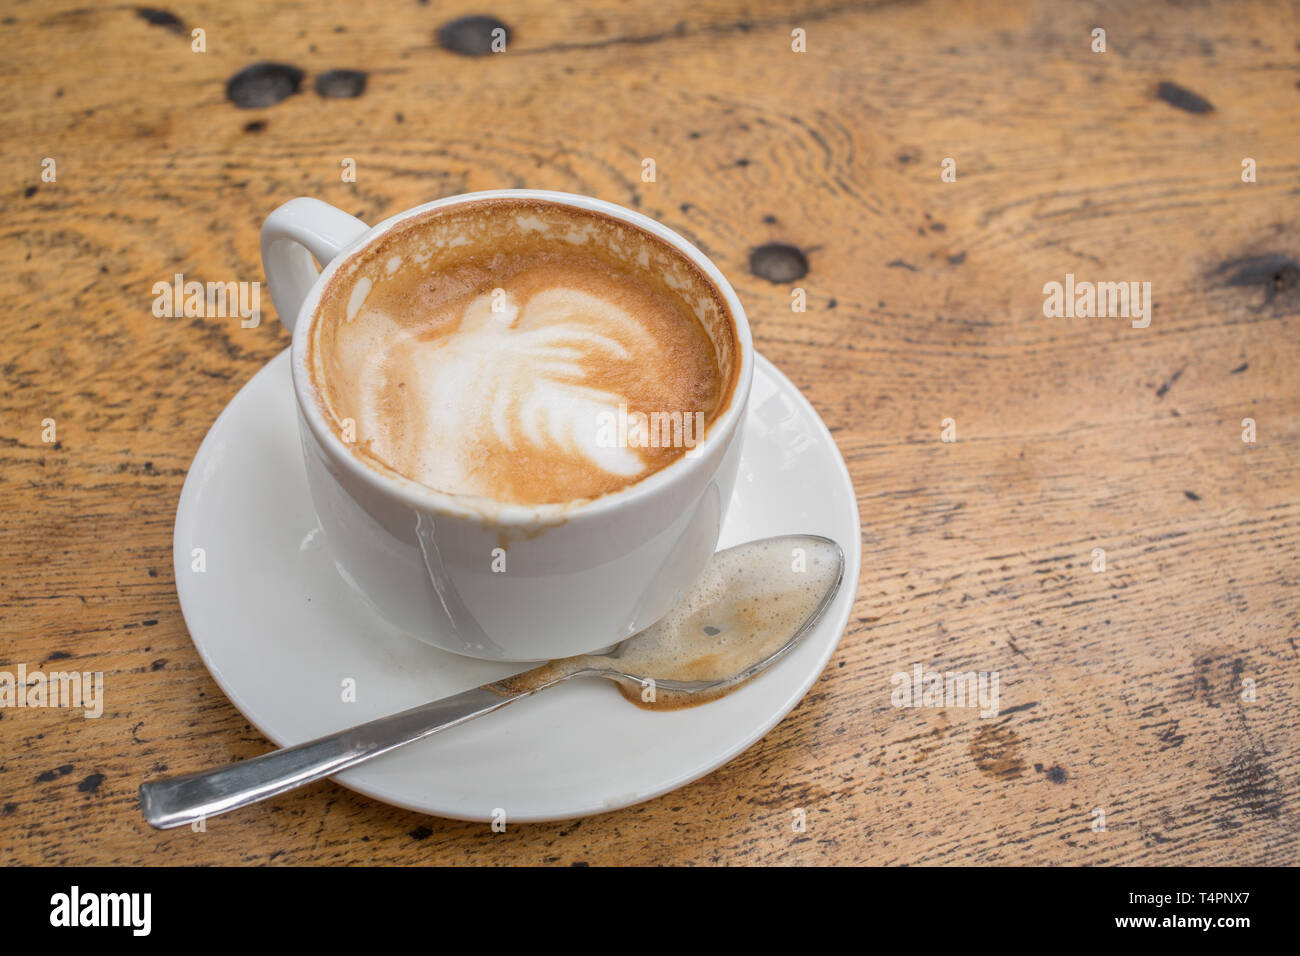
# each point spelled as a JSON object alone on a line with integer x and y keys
{"x": 176, "y": 801}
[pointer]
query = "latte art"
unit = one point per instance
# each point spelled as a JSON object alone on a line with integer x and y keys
{"x": 490, "y": 352}
{"x": 510, "y": 376}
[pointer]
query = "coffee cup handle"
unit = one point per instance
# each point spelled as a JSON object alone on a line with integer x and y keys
{"x": 291, "y": 236}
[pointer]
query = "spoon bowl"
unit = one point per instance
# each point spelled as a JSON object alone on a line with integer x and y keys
{"x": 752, "y": 605}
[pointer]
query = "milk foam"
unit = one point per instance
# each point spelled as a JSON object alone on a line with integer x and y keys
{"x": 513, "y": 373}
{"x": 490, "y": 349}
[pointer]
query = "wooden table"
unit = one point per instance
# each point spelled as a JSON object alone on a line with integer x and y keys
{"x": 1162, "y": 691}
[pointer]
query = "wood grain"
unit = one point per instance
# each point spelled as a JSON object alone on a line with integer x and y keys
{"x": 1120, "y": 690}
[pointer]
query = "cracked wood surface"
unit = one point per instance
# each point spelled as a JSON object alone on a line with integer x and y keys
{"x": 1124, "y": 691}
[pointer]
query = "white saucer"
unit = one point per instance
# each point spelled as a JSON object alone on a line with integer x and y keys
{"x": 281, "y": 632}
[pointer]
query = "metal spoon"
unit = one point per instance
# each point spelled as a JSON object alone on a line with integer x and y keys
{"x": 751, "y": 606}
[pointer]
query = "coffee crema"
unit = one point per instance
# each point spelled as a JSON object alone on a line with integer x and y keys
{"x": 522, "y": 351}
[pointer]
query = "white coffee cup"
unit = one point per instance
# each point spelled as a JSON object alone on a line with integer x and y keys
{"x": 576, "y": 577}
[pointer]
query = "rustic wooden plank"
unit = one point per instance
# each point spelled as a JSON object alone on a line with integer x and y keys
{"x": 1121, "y": 690}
